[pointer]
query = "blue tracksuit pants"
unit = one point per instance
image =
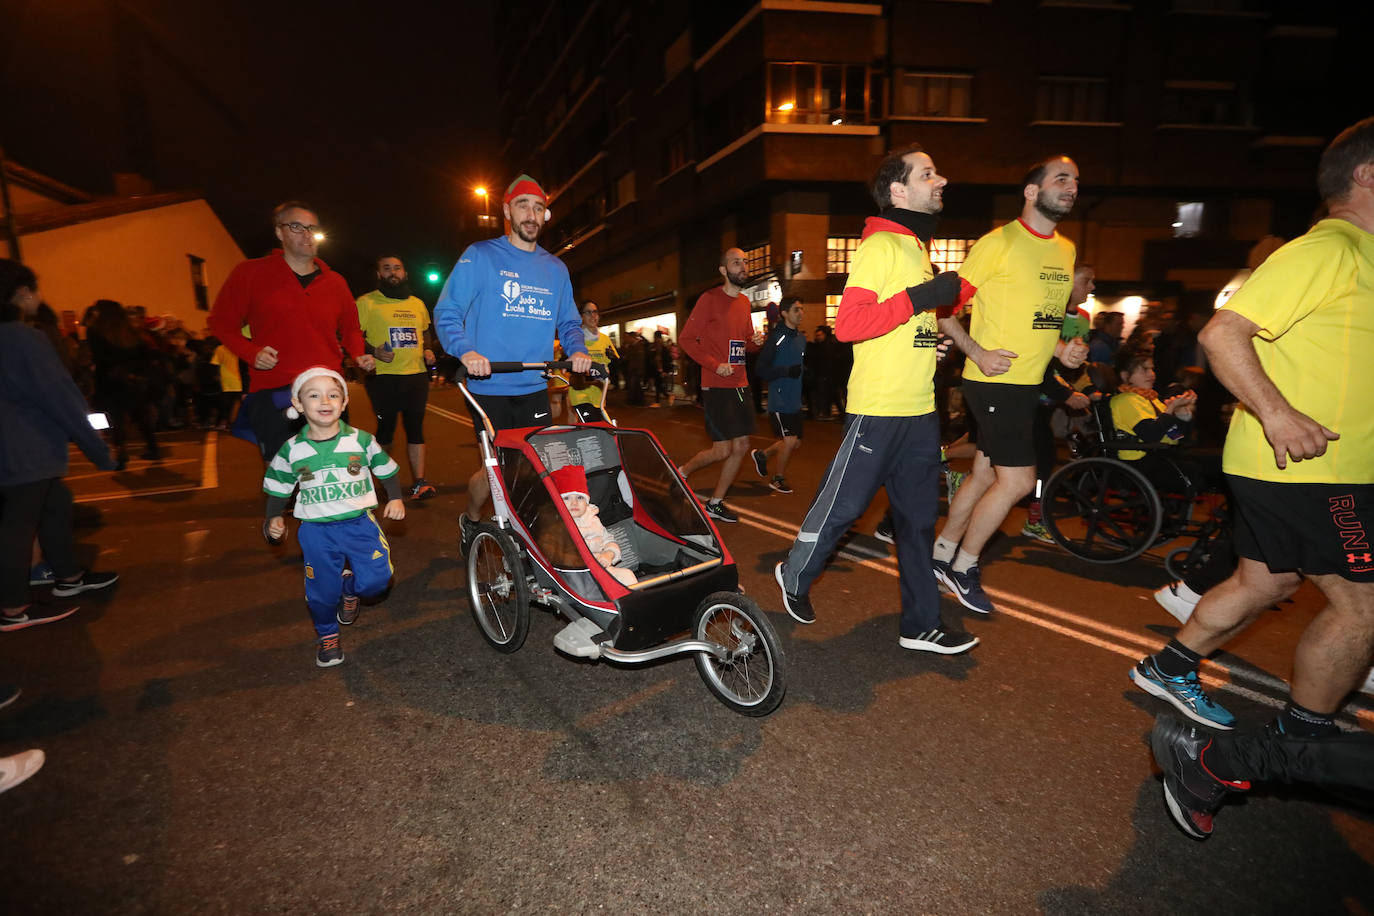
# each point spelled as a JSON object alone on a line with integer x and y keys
{"x": 903, "y": 455}
{"x": 327, "y": 546}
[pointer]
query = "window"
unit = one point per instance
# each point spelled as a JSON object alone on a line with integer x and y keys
{"x": 1071, "y": 99}
{"x": 1203, "y": 103}
{"x": 620, "y": 113}
{"x": 677, "y": 56}
{"x": 199, "y": 285}
{"x": 802, "y": 93}
{"x": 949, "y": 254}
{"x": 757, "y": 260}
{"x": 839, "y": 250}
{"x": 622, "y": 192}
{"x": 934, "y": 95}
{"x": 832, "y": 308}
{"x": 676, "y": 152}
{"x": 1188, "y": 222}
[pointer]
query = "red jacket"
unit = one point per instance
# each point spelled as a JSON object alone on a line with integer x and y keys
{"x": 304, "y": 326}
{"x": 715, "y": 321}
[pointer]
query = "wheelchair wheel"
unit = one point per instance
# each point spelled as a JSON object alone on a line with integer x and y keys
{"x": 750, "y": 680}
{"x": 498, "y": 595}
{"x": 1102, "y": 510}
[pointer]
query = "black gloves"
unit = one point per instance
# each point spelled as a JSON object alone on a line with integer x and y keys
{"x": 941, "y": 291}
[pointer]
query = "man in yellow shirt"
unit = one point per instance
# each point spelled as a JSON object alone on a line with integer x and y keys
{"x": 1023, "y": 272}
{"x": 891, "y": 308}
{"x": 1293, "y": 344}
{"x": 602, "y": 350}
{"x": 395, "y": 325}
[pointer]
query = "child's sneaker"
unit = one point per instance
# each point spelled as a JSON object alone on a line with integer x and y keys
{"x": 423, "y": 489}
{"x": 348, "y": 601}
{"x": 328, "y": 652}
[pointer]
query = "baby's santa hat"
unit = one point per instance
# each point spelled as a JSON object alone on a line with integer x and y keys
{"x": 570, "y": 479}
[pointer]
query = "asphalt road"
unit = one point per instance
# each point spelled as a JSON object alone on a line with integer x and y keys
{"x": 198, "y": 761}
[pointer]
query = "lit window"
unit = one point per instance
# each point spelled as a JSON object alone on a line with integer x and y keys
{"x": 934, "y": 95}
{"x": 949, "y": 254}
{"x": 1071, "y": 99}
{"x": 832, "y": 308}
{"x": 805, "y": 93}
{"x": 839, "y": 251}
{"x": 756, "y": 260}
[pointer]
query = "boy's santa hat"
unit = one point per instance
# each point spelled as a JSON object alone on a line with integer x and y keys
{"x": 570, "y": 479}
{"x": 307, "y": 375}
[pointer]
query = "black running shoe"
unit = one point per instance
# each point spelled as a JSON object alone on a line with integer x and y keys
{"x": 328, "y": 652}
{"x": 884, "y": 532}
{"x": 720, "y": 512}
{"x": 798, "y": 606}
{"x": 939, "y": 641}
{"x": 88, "y": 582}
{"x": 760, "y": 462}
{"x": 779, "y": 485}
{"x": 1192, "y": 793}
{"x": 32, "y": 616}
{"x": 467, "y": 530}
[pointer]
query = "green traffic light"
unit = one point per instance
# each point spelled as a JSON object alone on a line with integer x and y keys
{"x": 434, "y": 276}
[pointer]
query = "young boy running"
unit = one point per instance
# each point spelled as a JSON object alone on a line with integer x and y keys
{"x": 333, "y": 464}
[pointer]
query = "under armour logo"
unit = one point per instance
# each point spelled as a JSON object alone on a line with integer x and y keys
{"x": 1359, "y": 558}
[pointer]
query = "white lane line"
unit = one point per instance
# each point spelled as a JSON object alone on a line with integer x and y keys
{"x": 209, "y": 476}
{"x": 1121, "y": 642}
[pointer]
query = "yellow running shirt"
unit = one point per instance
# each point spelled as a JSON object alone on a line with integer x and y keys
{"x": 602, "y": 351}
{"x": 894, "y": 372}
{"x": 1023, "y": 281}
{"x": 1313, "y": 300}
{"x": 399, "y": 322}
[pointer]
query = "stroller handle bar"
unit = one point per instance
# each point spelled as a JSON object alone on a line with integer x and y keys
{"x": 598, "y": 370}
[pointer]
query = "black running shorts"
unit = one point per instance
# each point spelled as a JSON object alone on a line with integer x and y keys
{"x": 787, "y": 424}
{"x": 513, "y": 411}
{"x": 1006, "y": 420}
{"x": 729, "y": 413}
{"x": 1321, "y": 529}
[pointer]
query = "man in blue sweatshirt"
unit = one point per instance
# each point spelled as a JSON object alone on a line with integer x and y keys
{"x": 780, "y": 364}
{"x": 504, "y": 301}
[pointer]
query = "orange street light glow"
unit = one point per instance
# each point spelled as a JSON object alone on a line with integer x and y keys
{"x": 787, "y": 106}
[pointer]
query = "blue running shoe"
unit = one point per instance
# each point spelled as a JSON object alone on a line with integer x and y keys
{"x": 1185, "y": 693}
{"x": 943, "y": 574}
{"x": 968, "y": 588}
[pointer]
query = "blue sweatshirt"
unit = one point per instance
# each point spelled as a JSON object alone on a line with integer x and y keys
{"x": 41, "y": 410}
{"x": 783, "y": 349}
{"x": 506, "y": 304}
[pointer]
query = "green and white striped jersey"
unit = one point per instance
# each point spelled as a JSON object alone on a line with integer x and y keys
{"x": 333, "y": 475}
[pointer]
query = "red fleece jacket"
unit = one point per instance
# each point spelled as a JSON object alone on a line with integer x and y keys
{"x": 304, "y": 326}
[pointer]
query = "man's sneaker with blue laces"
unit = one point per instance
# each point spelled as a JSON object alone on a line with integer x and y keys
{"x": 1192, "y": 793}
{"x": 1185, "y": 693}
{"x": 348, "y": 600}
{"x": 968, "y": 588}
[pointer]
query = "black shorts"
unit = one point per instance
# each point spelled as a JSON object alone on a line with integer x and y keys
{"x": 1321, "y": 529}
{"x": 406, "y": 395}
{"x": 787, "y": 424}
{"x": 1006, "y": 420}
{"x": 729, "y": 413}
{"x": 512, "y": 411}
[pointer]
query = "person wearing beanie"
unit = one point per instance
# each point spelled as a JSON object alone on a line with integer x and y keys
{"x": 330, "y": 466}
{"x": 571, "y": 483}
{"x": 505, "y": 301}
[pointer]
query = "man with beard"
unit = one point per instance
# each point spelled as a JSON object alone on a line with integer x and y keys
{"x": 893, "y": 308}
{"x": 504, "y": 301}
{"x": 395, "y": 325}
{"x": 1023, "y": 274}
{"x": 718, "y": 335}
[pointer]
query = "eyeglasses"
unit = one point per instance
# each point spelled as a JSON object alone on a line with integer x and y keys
{"x": 299, "y": 228}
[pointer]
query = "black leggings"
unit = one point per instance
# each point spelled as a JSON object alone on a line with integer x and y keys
{"x": 1339, "y": 761}
{"x": 42, "y": 508}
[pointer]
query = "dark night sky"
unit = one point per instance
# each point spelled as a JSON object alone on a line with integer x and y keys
{"x": 382, "y": 115}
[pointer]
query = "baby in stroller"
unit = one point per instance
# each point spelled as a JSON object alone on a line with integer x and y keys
{"x": 571, "y": 482}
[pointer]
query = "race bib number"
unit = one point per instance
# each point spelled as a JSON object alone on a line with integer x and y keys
{"x": 404, "y": 338}
{"x": 737, "y": 353}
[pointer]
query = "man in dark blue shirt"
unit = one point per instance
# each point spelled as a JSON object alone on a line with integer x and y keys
{"x": 780, "y": 364}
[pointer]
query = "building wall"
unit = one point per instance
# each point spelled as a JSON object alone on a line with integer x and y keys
{"x": 136, "y": 258}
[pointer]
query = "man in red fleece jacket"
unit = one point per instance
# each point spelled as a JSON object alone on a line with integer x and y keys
{"x": 282, "y": 314}
{"x": 717, "y": 335}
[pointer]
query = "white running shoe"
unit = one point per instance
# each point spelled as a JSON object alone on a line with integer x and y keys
{"x": 1176, "y": 598}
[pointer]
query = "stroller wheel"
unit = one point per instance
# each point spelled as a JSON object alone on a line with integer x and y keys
{"x": 749, "y": 679}
{"x": 498, "y": 594}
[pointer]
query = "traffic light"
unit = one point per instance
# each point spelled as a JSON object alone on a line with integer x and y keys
{"x": 432, "y": 275}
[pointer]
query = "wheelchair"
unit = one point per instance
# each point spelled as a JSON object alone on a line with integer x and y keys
{"x": 1104, "y": 509}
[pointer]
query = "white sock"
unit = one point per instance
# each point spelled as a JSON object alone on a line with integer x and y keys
{"x": 964, "y": 560}
{"x": 944, "y": 549}
{"x": 1187, "y": 594}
